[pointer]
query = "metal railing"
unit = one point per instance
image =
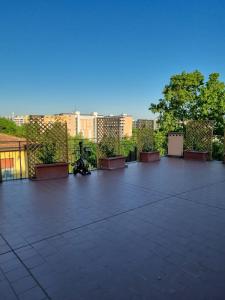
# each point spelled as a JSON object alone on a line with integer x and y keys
{"x": 13, "y": 160}
{"x": 14, "y": 163}
{"x": 127, "y": 148}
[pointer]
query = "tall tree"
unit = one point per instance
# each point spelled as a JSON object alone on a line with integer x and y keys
{"x": 212, "y": 102}
{"x": 188, "y": 96}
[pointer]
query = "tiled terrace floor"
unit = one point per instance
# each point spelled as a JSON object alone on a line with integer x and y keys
{"x": 150, "y": 231}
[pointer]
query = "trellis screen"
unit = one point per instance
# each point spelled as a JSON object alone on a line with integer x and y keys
{"x": 40, "y": 134}
{"x": 145, "y": 135}
{"x": 109, "y": 134}
{"x": 199, "y": 136}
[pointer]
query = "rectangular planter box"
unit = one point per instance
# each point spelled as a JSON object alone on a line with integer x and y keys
{"x": 112, "y": 163}
{"x": 51, "y": 171}
{"x": 149, "y": 156}
{"x": 196, "y": 155}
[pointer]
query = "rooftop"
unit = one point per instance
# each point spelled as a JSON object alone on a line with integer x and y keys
{"x": 9, "y": 141}
{"x": 150, "y": 231}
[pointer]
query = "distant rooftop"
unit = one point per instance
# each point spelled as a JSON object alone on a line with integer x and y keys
{"x": 10, "y": 141}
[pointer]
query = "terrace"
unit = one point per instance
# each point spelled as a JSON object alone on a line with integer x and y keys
{"x": 149, "y": 231}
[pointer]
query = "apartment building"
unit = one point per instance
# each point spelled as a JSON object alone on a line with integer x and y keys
{"x": 126, "y": 123}
{"x": 86, "y": 124}
{"x": 67, "y": 118}
{"x": 77, "y": 123}
{"x": 19, "y": 120}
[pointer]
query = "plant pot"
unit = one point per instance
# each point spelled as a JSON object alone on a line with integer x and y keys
{"x": 196, "y": 155}
{"x": 149, "y": 156}
{"x": 51, "y": 171}
{"x": 112, "y": 163}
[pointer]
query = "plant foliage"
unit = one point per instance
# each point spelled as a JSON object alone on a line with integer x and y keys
{"x": 199, "y": 136}
{"x": 145, "y": 139}
{"x": 188, "y": 96}
{"x": 9, "y": 127}
{"x": 109, "y": 146}
{"x": 218, "y": 148}
{"x": 46, "y": 143}
{"x": 74, "y": 150}
{"x": 47, "y": 153}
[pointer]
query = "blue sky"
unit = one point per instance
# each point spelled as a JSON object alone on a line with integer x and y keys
{"x": 105, "y": 56}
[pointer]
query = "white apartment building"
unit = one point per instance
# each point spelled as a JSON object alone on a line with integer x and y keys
{"x": 19, "y": 120}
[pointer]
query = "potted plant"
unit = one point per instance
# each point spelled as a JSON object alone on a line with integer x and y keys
{"x": 149, "y": 155}
{"x": 145, "y": 141}
{"x": 108, "y": 152}
{"x": 196, "y": 153}
{"x": 49, "y": 168}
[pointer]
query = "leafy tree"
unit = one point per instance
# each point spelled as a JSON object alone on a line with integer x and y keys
{"x": 212, "y": 102}
{"x": 21, "y": 131}
{"x": 189, "y": 97}
{"x": 10, "y": 127}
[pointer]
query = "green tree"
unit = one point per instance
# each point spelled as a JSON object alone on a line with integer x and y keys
{"x": 189, "y": 97}
{"x": 7, "y": 126}
{"x": 212, "y": 102}
{"x": 10, "y": 127}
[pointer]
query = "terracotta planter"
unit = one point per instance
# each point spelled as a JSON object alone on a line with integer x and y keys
{"x": 112, "y": 163}
{"x": 51, "y": 171}
{"x": 149, "y": 156}
{"x": 196, "y": 155}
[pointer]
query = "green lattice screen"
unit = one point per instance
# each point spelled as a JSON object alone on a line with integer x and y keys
{"x": 40, "y": 136}
{"x": 199, "y": 136}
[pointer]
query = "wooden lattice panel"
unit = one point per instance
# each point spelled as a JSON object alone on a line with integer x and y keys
{"x": 199, "y": 136}
{"x": 142, "y": 123}
{"x": 40, "y": 134}
{"x": 108, "y": 127}
{"x": 145, "y": 134}
{"x": 109, "y": 134}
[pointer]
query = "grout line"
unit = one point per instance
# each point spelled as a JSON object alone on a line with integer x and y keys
{"x": 200, "y": 203}
{"x": 28, "y": 270}
{"x": 176, "y": 194}
{"x": 200, "y": 187}
{"x": 167, "y": 196}
{"x": 6, "y": 251}
{"x": 14, "y": 292}
{"x": 91, "y": 223}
